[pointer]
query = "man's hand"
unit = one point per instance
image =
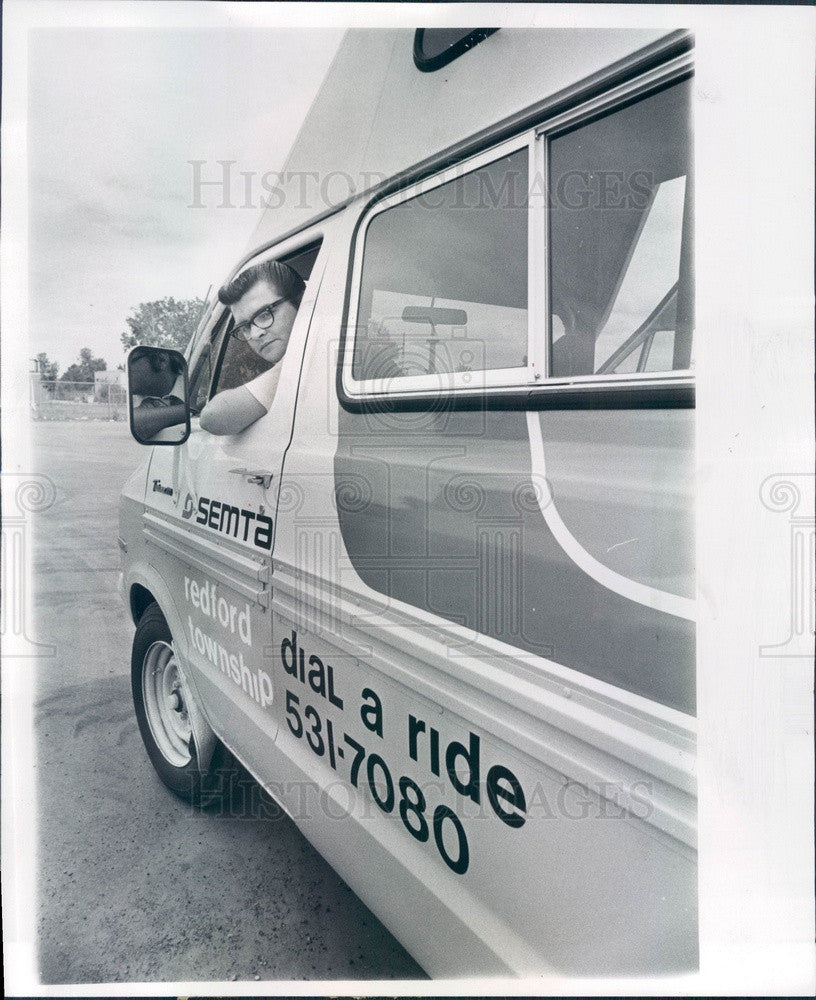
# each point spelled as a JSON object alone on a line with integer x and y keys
{"x": 155, "y": 401}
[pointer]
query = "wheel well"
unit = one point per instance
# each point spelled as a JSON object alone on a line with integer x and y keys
{"x": 140, "y": 601}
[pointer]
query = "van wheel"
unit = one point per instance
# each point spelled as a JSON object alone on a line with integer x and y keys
{"x": 162, "y": 701}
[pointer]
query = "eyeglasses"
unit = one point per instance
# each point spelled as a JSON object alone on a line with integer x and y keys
{"x": 263, "y": 319}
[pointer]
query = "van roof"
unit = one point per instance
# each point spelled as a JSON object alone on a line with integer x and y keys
{"x": 377, "y": 115}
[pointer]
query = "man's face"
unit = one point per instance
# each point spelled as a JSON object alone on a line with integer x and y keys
{"x": 269, "y": 344}
{"x": 146, "y": 381}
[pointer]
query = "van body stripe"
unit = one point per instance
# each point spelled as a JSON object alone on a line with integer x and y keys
{"x": 660, "y": 600}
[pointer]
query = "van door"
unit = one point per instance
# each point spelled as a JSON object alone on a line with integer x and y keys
{"x": 210, "y": 516}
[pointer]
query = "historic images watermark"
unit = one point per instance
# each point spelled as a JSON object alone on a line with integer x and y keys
{"x": 222, "y": 184}
{"x": 793, "y": 494}
{"x": 240, "y": 797}
{"x": 24, "y": 496}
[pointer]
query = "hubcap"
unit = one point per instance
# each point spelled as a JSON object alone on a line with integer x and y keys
{"x": 165, "y": 701}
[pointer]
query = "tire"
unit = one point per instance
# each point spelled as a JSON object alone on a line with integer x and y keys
{"x": 161, "y": 700}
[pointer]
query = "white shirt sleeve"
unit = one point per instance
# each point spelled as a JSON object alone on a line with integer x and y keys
{"x": 263, "y": 387}
{"x": 177, "y": 390}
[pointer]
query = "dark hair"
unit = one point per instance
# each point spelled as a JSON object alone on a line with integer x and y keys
{"x": 158, "y": 359}
{"x": 287, "y": 281}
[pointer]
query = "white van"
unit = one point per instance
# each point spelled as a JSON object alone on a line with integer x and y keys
{"x": 447, "y": 580}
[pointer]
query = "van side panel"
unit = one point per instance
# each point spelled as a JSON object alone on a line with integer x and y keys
{"x": 429, "y": 684}
{"x": 450, "y": 520}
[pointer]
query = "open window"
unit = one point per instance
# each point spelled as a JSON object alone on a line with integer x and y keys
{"x": 237, "y": 362}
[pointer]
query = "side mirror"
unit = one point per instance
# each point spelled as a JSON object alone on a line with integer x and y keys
{"x": 158, "y": 405}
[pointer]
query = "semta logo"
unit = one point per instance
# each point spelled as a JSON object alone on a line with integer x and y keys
{"x": 235, "y": 522}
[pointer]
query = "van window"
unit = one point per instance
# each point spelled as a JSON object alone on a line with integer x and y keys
{"x": 440, "y": 295}
{"x": 444, "y": 278}
{"x": 620, "y": 247}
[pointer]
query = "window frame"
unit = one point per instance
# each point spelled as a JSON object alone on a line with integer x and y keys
{"x": 201, "y": 336}
{"x": 536, "y": 389}
{"x": 214, "y": 330}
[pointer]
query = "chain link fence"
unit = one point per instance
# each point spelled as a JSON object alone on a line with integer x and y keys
{"x": 77, "y": 400}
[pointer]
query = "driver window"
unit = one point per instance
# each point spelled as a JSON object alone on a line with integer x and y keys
{"x": 239, "y": 362}
{"x": 620, "y": 234}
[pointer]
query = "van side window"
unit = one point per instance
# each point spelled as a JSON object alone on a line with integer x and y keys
{"x": 444, "y": 278}
{"x": 440, "y": 299}
{"x": 620, "y": 240}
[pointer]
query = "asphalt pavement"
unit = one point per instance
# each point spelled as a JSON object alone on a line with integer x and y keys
{"x": 133, "y": 885}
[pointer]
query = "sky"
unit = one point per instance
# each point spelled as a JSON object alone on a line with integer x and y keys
{"x": 114, "y": 117}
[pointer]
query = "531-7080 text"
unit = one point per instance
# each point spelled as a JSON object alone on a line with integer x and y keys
{"x": 462, "y": 763}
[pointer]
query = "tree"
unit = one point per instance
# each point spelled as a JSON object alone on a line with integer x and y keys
{"x": 165, "y": 323}
{"x": 84, "y": 370}
{"x": 47, "y": 369}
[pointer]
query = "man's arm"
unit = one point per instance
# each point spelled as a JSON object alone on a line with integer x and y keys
{"x": 149, "y": 420}
{"x": 231, "y": 411}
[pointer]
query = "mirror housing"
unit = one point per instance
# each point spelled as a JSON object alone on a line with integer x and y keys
{"x": 158, "y": 398}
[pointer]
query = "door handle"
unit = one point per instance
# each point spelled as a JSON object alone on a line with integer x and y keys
{"x": 259, "y": 476}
